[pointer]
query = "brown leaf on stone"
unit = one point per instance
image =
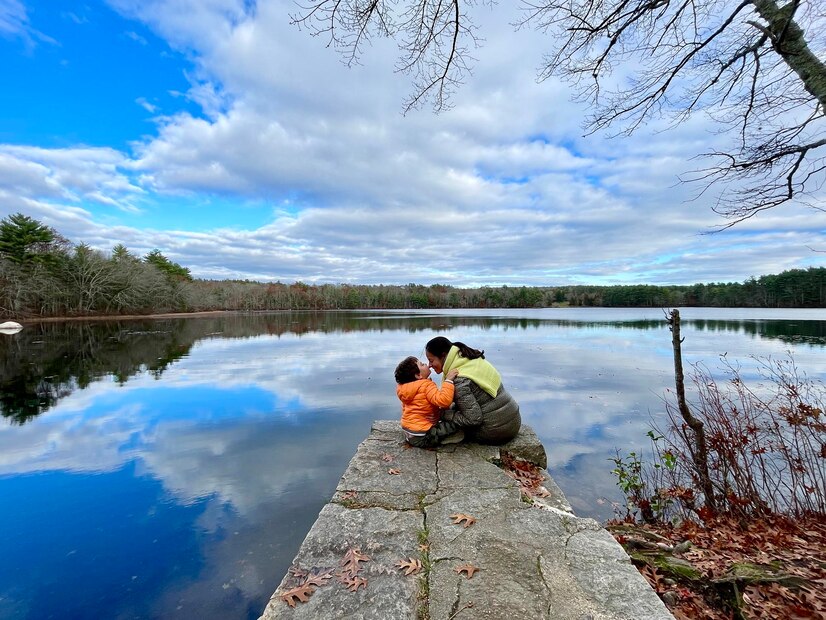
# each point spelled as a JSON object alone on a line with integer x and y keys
{"x": 462, "y": 519}
{"x": 350, "y": 563}
{"x": 542, "y": 492}
{"x": 424, "y": 547}
{"x": 386, "y": 457}
{"x": 394, "y": 472}
{"x": 410, "y": 566}
{"x": 319, "y": 578}
{"x": 469, "y": 569}
{"x": 353, "y": 583}
{"x": 301, "y": 594}
{"x": 348, "y": 495}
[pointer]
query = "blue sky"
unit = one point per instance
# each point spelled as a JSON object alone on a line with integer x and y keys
{"x": 242, "y": 147}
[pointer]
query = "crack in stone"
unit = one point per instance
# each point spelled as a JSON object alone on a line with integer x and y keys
{"x": 454, "y": 609}
{"x": 541, "y": 574}
{"x": 363, "y": 506}
{"x": 438, "y": 477}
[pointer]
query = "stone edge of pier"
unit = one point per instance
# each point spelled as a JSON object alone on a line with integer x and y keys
{"x": 395, "y": 504}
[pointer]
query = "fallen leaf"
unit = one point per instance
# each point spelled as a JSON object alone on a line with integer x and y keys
{"x": 353, "y": 583}
{"x": 319, "y": 578}
{"x": 386, "y": 457}
{"x": 350, "y": 563}
{"x": 462, "y": 519}
{"x": 469, "y": 569}
{"x": 542, "y": 492}
{"x": 301, "y": 594}
{"x": 411, "y": 566}
{"x": 393, "y": 472}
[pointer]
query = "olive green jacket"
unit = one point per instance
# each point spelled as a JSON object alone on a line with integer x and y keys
{"x": 487, "y": 419}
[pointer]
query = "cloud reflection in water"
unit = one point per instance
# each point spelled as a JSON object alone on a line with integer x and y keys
{"x": 244, "y": 438}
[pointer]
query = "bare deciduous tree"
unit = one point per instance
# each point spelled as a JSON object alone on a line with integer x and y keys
{"x": 754, "y": 66}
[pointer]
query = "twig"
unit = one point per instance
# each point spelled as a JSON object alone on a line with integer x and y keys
{"x": 456, "y": 613}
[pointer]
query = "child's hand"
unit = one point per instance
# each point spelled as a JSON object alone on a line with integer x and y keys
{"x": 452, "y": 374}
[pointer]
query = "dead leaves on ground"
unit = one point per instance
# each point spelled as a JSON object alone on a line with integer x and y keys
{"x": 305, "y": 582}
{"x": 302, "y": 583}
{"x": 462, "y": 519}
{"x": 308, "y": 582}
{"x": 394, "y": 472}
{"x": 319, "y": 579}
{"x": 469, "y": 570}
{"x": 353, "y": 583}
{"x": 789, "y": 548}
{"x": 300, "y": 594}
{"x": 410, "y": 566}
{"x": 528, "y": 475}
{"x": 351, "y": 562}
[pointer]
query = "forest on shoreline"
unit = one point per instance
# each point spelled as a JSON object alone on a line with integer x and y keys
{"x": 42, "y": 274}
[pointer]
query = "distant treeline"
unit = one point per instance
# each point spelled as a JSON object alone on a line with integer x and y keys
{"x": 42, "y": 274}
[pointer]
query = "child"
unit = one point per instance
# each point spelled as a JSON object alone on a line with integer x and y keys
{"x": 422, "y": 400}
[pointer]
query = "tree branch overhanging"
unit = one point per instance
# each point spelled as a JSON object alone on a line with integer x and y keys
{"x": 755, "y": 67}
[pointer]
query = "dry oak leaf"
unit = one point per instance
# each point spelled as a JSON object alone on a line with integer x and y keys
{"x": 350, "y": 562}
{"x": 469, "y": 569}
{"x": 319, "y": 578}
{"x": 301, "y": 594}
{"x": 386, "y": 457}
{"x": 394, "y": 472}
{"x": 410, "y": 566}
{"x": 462, "y": 519}
{"x": 353, "y": 583}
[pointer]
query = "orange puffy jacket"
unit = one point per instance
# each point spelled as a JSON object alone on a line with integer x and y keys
{"x": 422, "y": 402}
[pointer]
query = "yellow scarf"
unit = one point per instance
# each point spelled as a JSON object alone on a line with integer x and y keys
{"x": 480, "y": 371}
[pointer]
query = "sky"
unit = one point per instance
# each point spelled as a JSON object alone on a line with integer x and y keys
{"x": 242, "y": 147}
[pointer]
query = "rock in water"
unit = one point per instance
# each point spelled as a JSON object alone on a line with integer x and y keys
{"x": 10, "y": 327}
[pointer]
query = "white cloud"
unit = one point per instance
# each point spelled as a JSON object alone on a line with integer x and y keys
{"x": 72, "y": 174}
{"x": 149, "y": 107}
{"x": 501, "y": 189}
{"x": 134, "y": 36}
{"x": 15, "y": 24}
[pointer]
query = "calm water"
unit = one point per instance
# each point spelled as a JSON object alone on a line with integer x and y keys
{"x": 171, "y": 468}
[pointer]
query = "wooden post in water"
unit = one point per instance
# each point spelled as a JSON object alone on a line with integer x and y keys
{"x": 699, "y": 452}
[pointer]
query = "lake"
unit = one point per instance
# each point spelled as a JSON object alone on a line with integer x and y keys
{"x": 170, "y": 468}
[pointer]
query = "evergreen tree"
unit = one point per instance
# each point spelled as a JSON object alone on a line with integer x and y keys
{"x": 24, "y": 241}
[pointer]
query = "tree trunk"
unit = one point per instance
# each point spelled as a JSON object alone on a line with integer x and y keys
{"x": 789, "y": 41}
{"x": 700, "y": 451}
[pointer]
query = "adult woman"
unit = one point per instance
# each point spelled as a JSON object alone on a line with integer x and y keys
{"x": 483, "y": 408}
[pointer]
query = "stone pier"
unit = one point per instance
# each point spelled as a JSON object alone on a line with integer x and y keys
{"x": 461, "y": 532}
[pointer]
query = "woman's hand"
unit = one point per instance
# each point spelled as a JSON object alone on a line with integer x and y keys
{"x": 452, "y": 374}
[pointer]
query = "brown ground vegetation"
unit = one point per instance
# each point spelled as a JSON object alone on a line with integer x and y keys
{"x": 733, "y": 569}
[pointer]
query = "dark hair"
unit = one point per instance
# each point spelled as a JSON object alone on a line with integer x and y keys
{"x": 407, "y": 370}
{"x": 439, "y": 346}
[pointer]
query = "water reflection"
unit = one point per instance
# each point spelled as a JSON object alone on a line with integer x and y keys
{"x": 48, "y": 361}
{"x": 171, "y": 468}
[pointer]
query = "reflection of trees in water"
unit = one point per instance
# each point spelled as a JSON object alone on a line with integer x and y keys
{"x": 811, "y": 332}
{"x": 792, "y": 332}
{"x": 46, "y": 362}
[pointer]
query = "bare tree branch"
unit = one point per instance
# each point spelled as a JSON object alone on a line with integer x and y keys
{"x": 754, "y": 66}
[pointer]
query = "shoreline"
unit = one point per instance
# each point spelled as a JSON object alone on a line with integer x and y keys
{"x": 127, "y": 317}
